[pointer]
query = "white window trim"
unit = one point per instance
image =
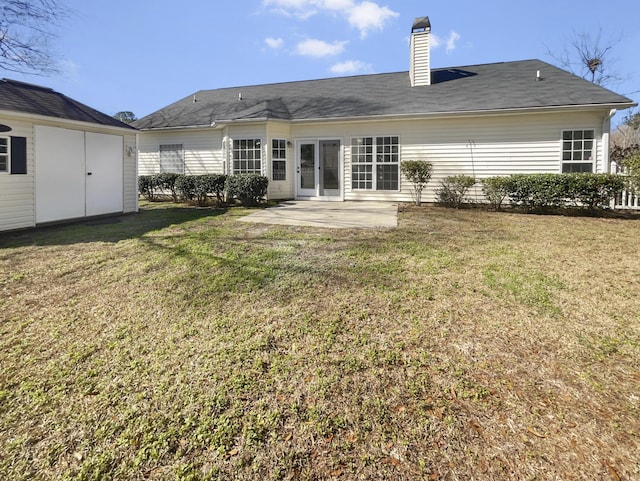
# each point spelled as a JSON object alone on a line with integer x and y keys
{"x": 262, "y": 151}
{"x": 594, "y": 150}
{"x": 374, "y": 164}
{"x": 285, "y": 159}
{"x": 8, "y": 154}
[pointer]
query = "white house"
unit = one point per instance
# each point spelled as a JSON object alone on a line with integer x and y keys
{"x": 60, "y": 159}
{"x": 344, "y": 138}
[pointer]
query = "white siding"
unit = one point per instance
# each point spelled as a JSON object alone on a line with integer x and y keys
{"x": 17, "y": 206}
{"x": 18, "y": 199}
{"x": 280, "y": 189}
{"x": 481, "y": 146}
{"x": 419, "y": 65}
{"x": 130, "y": 174}
{"x": 202, "y": 150}
{"x": 478, "y": 146}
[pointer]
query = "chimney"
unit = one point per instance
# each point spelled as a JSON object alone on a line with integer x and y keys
{"x": 420, "y": 70}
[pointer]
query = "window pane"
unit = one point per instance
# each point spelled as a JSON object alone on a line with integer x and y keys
{"x": 172, "y": 158}
{"x": 588, "y": 134}
{"x": 279, "y": 170}
{"x": 567, "y": 135}
{"x": 577, "y": 167}
{"x": 387, "y": 177}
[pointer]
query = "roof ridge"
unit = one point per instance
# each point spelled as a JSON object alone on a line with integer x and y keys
{"x": 27, "y": 84}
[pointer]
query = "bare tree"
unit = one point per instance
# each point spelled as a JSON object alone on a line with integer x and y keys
{"x": 26, "y": 31}
{"x": 627, "y": 134}
{"x": 589, "y": 56}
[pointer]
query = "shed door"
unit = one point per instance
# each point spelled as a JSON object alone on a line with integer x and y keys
{"x": 59, "y": 173}
{"x": 104, "y": 173}
{"x": 77, "y": 174}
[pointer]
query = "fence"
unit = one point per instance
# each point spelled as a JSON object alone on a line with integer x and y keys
{"x": 627, "y": 200}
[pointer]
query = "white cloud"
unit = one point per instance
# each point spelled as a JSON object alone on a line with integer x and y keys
{"x": 319, "y": 48}
{"x": 351, "y": 67}
{"x": 368, "y": 15}
{"x": 364, "y": 15}
{"x": 451, "y": 41}
{"x": 274, "y": 43}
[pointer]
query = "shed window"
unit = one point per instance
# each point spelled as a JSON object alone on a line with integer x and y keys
{"x": 172, "y": 158}
{"x": 247, "y": 156}
{"x": 375, "y": 163}
{"x": 578, "y": 148}
{"x": 4, "y": 154}
{"x": 279, "y": 159}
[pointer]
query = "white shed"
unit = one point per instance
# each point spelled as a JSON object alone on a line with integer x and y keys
{"x": 60, "y": 159}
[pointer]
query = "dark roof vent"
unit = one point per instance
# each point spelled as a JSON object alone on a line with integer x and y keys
{"x": 421, "y": 24}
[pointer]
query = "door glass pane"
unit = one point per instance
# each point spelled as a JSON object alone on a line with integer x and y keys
{"x": 330, "y": 155}
{"x": 307, "y": 166}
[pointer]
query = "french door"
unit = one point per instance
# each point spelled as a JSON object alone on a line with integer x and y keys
{"x": 318, "y": 169}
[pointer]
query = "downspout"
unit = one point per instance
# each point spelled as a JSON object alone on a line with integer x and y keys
{"x": 606, "y": 131}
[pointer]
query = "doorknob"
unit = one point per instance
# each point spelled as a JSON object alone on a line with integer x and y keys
{"x": 88, "y": 173}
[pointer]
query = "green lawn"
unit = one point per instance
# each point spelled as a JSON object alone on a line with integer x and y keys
{"x": 178, "y": 343}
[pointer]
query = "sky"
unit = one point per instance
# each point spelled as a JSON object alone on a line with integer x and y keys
{"x": 139, "y": 55}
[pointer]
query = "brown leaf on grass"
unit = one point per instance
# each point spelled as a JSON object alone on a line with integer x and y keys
{"x": 288, "y": 436}
{"x": 233, "y": 452}
{"x": 329, "y": 439}
{"x": 434, "y": 476}
{"x": 336, "y": 473}
{"x": 612, "y": 471}
{"x": 352, "y": 438}
{"x": 536, "y": 433}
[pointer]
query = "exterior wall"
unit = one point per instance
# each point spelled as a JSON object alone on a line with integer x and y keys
{"x": 130, "y": 173}
{"x": 281, "y": 189}
{"x": 420, "y": 62}
{"x": 17, "y": 203}
{"x": 18, "y": 200}
{"x": 202, "y": 150}
{"x": 478, "y": 146}
{"x": 481, "y": 146}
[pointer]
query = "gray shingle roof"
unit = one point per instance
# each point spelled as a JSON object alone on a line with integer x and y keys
{"x": 475, "y": 88}
{"x": 33, "y": 99}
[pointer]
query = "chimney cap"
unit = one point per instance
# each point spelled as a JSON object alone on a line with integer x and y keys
{"x": 421, "y": 24}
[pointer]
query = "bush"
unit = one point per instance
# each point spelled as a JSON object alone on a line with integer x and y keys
{"x": 167, "y": 182}
{"x": 593, "y": 190}
{"x": 496, "y": 190}
{"x": 453, "y": 189}
{"x": 542, "y": 191}
{"x": 215, "y": 186}
{"x": 186, "y": 186}
{"x": 418, "y": 172}
{"x": 249, "y": 189}
{"x": 147, "y": 186}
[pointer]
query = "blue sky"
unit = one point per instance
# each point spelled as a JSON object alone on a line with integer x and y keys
{"x": 141, "y": 55}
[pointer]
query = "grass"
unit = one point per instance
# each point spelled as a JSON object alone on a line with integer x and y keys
{"x": 180, "y": 344}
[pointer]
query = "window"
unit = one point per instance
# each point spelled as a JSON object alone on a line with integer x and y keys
{"x": 172, "y": 158}
{"x": 279, "y": 159}
{"x": 577, "y": 150}
{"x": 4, "y": 154}
{"x": 375, "y": 163}
{"x": 246, "y": 156}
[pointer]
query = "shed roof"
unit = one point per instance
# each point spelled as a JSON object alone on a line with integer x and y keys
{"x": 34, "y": 99}
{"x": 475, "y": 88}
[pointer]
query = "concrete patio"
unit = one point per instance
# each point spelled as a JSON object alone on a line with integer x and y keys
{"x": 333, "y": 215}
